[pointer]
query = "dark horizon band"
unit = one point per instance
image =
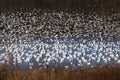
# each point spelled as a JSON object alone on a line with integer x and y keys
{"x": 68, "y": 5}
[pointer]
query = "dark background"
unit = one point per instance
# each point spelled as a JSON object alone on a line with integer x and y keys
{"x": 67, "y": 5}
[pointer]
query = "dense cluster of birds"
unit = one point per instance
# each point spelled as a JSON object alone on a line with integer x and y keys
{"x": 59, "y": 38}
{"x": 15, "y": 27}
{"x": 77, "y": 54}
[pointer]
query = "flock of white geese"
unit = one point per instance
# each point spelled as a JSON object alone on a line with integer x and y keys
{"x": 40, "y": 38}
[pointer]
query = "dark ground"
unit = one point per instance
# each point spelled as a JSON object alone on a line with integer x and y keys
{"x": 65, "y": 5}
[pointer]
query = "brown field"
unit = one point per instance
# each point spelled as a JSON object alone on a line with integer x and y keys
{"x": 96, "y": 73}
{"x": 67, "y": 5}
